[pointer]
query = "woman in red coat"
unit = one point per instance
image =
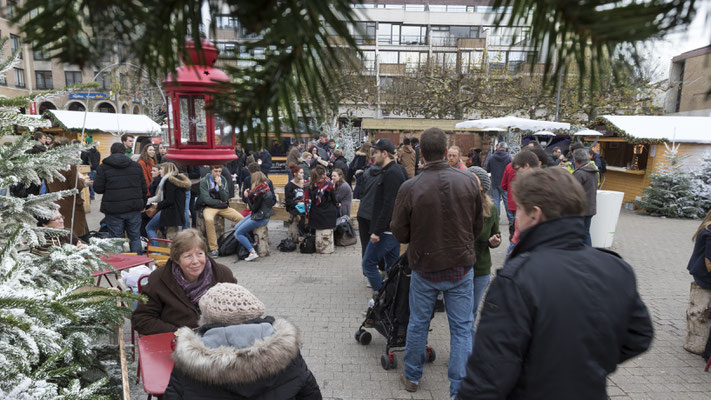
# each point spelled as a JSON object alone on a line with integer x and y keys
{"x": 147, "y": 160}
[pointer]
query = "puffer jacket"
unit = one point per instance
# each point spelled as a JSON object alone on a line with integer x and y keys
{"x": 424, "y": 216}
{"x": 121, "y": 182}
{"x": 258, "y": 359}
{"x": 172, "y": 207}
{"x": 558, "y": 308}
{"x": 587, "y": 176}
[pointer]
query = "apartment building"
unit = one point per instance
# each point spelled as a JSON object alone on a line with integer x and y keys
{"x": 690, "y": 83}
{"x": 396, "y": 37}
{"x": 35, "y": 71}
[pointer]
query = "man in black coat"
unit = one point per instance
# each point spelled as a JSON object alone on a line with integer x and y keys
{"x": 560, "y": 315}
{"x": 382, "y": 242}
{"x": 265, "y": 161}
{"x": 125, "y": 195}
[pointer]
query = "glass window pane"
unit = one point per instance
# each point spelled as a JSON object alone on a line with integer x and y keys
{"x": 384, "y": 33}
{"x": 192, "y": 120}
{"x": 223, "y": 133}
{"x": 456, "y": 8}
{"x": 414, "y": 7}
{"x": 388, "y": 57}
{"x": 437, "y": 8}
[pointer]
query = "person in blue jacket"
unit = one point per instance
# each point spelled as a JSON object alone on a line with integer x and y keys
{"x": 700, "y": 263}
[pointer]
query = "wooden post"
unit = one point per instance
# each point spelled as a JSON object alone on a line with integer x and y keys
{"x": 324, "y": 241}
{"x": 219, "y": 224}
{"x": 262, "y": 235}
{"x": 698, "y": 319}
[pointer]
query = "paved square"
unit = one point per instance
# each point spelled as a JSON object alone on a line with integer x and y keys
{"x": 325, "y": 296}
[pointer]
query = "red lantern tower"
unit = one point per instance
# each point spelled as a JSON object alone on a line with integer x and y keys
{"x": 193, "y": 137}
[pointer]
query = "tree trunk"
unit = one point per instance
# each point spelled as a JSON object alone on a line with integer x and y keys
{"x": 698, "y": 319}
{"x": 324, "y": 241}
{"x": 262, "y": 235}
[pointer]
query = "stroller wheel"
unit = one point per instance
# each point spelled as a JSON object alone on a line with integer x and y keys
{"x": 357, "y": 335}
{"x": 365, "y": 338}
{"x": 431, "y": 355}
{"x": 388, "y": 361}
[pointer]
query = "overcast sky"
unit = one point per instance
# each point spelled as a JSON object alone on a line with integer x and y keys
{"x": 698, "y": 34}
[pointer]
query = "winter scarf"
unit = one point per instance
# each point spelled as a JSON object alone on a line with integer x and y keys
{"x": 194, "y": 290}
{"x": 159, "y": 192}
{"x": 322, "y": 187}
{"x": 260, "y": 189}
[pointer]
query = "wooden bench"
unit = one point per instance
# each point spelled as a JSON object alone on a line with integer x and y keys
{"x": 281, "y": 214}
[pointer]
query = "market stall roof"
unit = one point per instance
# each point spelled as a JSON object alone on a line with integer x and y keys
{"x": 416, "y": 124}
{"x": 72, "y": 121}
{"x": 662, "y": 127}
{"x": 523, "y": 124}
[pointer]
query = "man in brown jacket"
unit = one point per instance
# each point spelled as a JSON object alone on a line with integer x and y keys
{"x": 407, "y": 157}
{"x": 439, "y": 213}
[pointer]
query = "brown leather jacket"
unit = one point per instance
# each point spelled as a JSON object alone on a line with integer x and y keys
{"x": 439, "y": 213}
{"x": 168, "y": 307}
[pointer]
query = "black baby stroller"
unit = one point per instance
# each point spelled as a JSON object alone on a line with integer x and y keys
{"x": 390, "y": 314}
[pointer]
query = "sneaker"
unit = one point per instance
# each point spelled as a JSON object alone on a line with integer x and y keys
{"x": 409, "y": 385}
{"x": 371, "y": 303}
{"x": 252, "y": 255}
{"x": 214, "y": 254}
{"x": 367, "y": 283}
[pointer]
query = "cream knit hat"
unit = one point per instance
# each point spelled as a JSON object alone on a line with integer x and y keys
{"x": 229, "y": 304}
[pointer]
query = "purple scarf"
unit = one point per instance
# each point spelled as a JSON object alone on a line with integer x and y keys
{"x": 194, "y": 290}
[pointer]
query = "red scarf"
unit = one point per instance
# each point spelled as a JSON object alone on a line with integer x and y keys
{"x": 260, "y": 189}
{"x": 322, "y": 187}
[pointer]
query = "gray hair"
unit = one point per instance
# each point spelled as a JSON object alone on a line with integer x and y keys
{"x": 581, "y": 156}
{"x": 502, "y": 145}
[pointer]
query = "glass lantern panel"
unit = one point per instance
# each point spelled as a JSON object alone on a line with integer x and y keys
{"x": 193, "y": 121}
{"x": 169, "y": 121}
{"x": 223, "y": 133}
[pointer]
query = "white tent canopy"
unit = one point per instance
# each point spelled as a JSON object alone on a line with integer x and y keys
{"x": 671, "y": 128}
{"x": 107, "y": 122}
{"x": 523, "y": 124}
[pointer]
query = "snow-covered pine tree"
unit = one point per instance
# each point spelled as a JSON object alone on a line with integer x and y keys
{"x": 51, "y": 317}
{"x": 347, "y": 137}
{"x": 670, "y": 191}
{"x": 701, "y": 185}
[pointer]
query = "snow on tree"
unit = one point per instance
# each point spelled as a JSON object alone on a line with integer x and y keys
{"x": 347, "y": 137}
{"x": 701, "y": 185}
{"x": 670, "y": 192}
{"x": 51, "y": 315}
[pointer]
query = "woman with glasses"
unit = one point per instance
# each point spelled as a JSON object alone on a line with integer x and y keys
{"x": 54, "y": 238}
{"x": 175, "y": 289}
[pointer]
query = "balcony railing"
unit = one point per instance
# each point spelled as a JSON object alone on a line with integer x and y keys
{"x": 509, "y": 40}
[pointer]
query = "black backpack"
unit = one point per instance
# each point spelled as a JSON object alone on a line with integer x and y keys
{"x": 227, "y": 244}
{"x": 308, "y": 246}
{"x": 287, "y": 245}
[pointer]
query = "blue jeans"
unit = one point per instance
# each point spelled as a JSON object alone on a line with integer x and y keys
{"x": 497, "y": 196}
{"x": 131, "y": 223}
{"x": 459, "y": 298}
{"x": 245, "y": 226}
{"x": 588, "y": 221}
{"x": 187, "y": 210}
{"x": 153, "y": 225}
{"x": 92, "y": 176}
{"x": 388, "y": 248}
{"x": 480, "y": 285}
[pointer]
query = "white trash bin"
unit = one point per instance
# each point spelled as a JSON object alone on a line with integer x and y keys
{"x": 602, "y": 227}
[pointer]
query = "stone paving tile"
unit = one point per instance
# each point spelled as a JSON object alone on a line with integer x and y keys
{"x": 325, "y": 296}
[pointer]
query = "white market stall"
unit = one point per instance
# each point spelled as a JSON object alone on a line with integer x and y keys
{"x": 515, "y": 125}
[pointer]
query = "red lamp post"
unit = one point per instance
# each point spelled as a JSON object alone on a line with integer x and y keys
{"x": 193, "y": 137}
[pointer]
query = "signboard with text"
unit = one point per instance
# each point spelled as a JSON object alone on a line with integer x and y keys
{"x": 93, "y": 96}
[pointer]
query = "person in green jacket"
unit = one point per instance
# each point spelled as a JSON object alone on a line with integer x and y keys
{"x": 214, "y": 195}
{"x": 489, "y": 238}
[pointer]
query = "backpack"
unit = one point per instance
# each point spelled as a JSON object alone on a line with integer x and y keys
{"x": 227, "y": 244}
{"x": 287, "y": 245}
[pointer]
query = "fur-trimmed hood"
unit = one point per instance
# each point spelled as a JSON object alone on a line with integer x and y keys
{"x": 228, "y": 365}
{"x": 180, "y": 181}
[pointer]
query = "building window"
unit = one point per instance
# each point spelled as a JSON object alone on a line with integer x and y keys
{"x": 40, "y": 55}
{"x": 11, "y": 8}
{"x": 3, "y": 80}
{"x": 226, "y": 22}
{"x": 19, "y": 77}
{"x": 104, "y": 81}
{"x": 15, "y": 44}
{"x": 72, "y": 77}
{"x": 413, "y": 34}
{"x": 44, "y": 80}
{"x": 228, "y": 49}
{"x": 364, "y": 32}
{"x": 388, "y": 33}
{"x": 414, "y": 7}
{"x": 464, "y": 32}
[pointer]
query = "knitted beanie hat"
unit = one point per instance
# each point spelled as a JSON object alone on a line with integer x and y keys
{"x": 483, "y": 177}
{"x": 229, "y": 304}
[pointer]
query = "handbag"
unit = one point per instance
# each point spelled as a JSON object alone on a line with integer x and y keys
{"x": 151, "y": 211}
{"x": 344, "y": 234}
{"x": 287, "y": 245}
{"x": 308, "y": 245}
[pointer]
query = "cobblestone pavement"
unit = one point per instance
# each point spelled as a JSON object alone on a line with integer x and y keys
{"x": 325, "y": 296}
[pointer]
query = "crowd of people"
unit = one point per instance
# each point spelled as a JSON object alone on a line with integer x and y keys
{"x": 558, "y": 307}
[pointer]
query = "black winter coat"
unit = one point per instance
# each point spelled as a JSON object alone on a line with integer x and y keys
{"x": 556, "y": 320}
{"x": 341, "y": 163}
{"x": 386, "y": 190}
{"x": 91, "y": 157}
{"x": 229, "y": 372}
{"x": 359, "y": 163}
{"x": 121, "y": 182}
{"x": 172, "y": 208}
{"x": 324, "y": 215}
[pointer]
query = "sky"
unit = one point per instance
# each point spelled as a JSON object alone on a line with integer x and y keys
{"x": 696, "y": 35}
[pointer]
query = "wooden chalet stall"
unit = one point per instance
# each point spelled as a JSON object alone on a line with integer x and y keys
{"x": 634, "y": 147}
{"x": 397, "y": 129}
{"x": 105, "y": 128}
